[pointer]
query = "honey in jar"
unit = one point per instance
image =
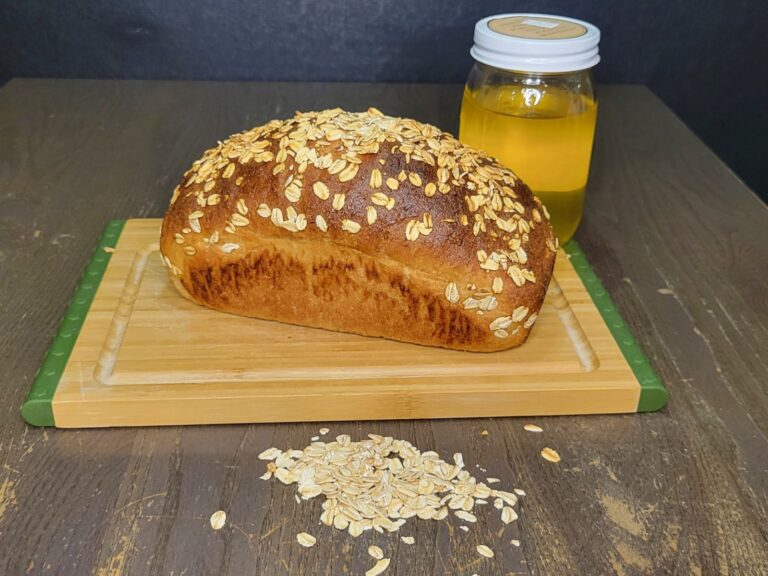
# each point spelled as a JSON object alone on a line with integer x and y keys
{"x": 530, "y": 102}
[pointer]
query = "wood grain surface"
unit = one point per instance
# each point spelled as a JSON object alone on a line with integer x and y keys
{"x": 680, "y": 243}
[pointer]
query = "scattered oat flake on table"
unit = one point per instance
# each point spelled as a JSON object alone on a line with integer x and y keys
{"x": 107, "y": 249}
{"x": 664, "y": 291}
{"x": 483, "y": 550}
{"x": 308, "y": 490}
{"x": 465, "y": 528}
{"x": 549, "y": 454}
{"x": 466, "y": 516}
{"x": 218, "y": 519}
{"x": 532, "y": 428}
{"x": 508, "y": 497}
{"x": 306, "y": 540}
{"x": 378, "y": 568}
{"x": 323, "y": 431}
{"x": 375, "y": 552}
{"x": 515, "y": 542}
{"x": 296, "y": 497}
{"x": 270, "y": 454}
{"x": 492, "y": 480}
{"x": 508, "y": 515}
{"x": 315, "y": 438}
{"x": 408, "y": 539}
{"x": 519, "y": 492}
{"x": 484, "y": 433}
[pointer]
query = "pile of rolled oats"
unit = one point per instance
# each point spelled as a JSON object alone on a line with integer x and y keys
{"x": 379, "y": 483}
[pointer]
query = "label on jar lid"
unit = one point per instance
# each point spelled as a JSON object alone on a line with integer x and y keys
{"x": 537, "y": 28}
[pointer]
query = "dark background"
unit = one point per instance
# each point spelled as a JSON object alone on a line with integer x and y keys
{"x": 703, "y": 58}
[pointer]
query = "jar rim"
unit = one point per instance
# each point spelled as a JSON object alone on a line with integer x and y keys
{"x": 535, "y": 73}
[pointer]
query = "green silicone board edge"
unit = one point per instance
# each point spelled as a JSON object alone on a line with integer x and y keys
{"x": 653, "y": 394}
{"x": 38, "y": 407}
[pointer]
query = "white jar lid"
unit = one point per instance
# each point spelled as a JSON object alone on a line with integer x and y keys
{"x": 536, "y": 43}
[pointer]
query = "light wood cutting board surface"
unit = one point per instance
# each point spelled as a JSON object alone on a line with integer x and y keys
{"x": 146, "y": 356}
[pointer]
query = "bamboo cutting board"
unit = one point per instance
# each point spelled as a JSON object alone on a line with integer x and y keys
{"x": 132, "y": 352}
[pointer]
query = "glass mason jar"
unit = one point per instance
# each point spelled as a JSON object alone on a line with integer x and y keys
{"x": 530, "y": 102}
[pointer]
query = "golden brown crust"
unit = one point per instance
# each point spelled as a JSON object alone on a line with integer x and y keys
{"x": 362, "y": 223}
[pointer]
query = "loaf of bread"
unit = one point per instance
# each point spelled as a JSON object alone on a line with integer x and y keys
{"x": 364, "y": 223}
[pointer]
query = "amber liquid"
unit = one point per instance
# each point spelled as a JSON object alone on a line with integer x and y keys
{"x": 543, "y": 135}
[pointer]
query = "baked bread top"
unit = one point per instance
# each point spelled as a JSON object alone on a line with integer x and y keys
{"x": 402, "y": 192}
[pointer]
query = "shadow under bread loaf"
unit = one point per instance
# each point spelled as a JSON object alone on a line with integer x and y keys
{"x": 363, "y": 223}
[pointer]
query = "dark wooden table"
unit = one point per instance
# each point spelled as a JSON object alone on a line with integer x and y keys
{"x": 679, "y": 242}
